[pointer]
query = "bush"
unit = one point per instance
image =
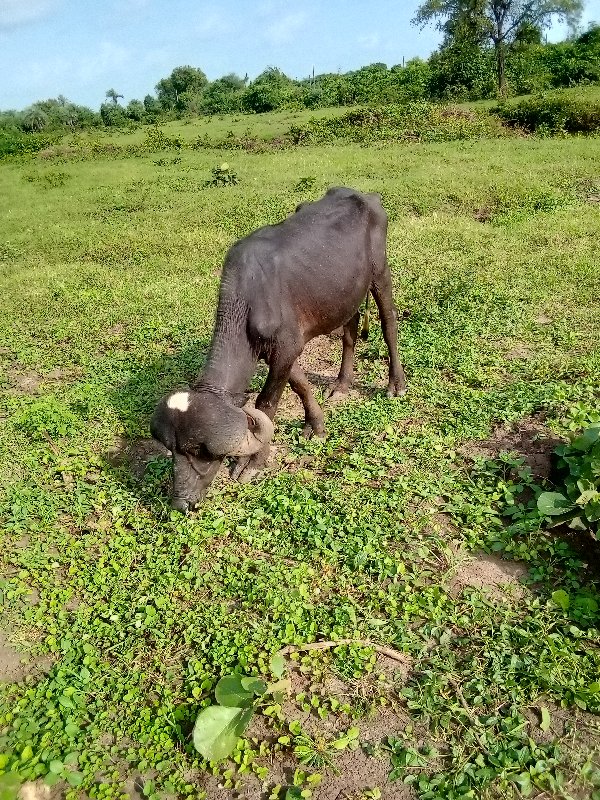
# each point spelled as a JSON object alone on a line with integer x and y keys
{"x": 413, "y": 122}
{"x": 16, "y": 143}
{"x": 552, "y": 113}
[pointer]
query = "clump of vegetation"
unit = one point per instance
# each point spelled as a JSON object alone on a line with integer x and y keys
{"x": 412, "y": 122}
{"x": 578, "y": 475}
{"x": 305, "y": 184}
{"x": 223, "y": 175}
{"x": 219, "y": 727}
{"x": 157, "y": 139}
{"x": 49, "y": 180}
{"x": 552, "y": 113}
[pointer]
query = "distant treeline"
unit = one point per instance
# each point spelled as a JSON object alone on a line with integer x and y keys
{"x": 452, "y": 73}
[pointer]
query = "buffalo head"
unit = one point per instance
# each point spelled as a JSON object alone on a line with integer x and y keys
{"x": 201, "y": 429}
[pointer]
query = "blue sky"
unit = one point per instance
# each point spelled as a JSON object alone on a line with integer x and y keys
{"x": 81, "y": 48}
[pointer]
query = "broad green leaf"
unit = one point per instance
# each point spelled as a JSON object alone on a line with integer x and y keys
{"x": 585, "y": 603}
{"x": 218, "y": 729}
{"x": 523, "y": 781}
{"x": 9, "y": 786}
{"x": 231, "y": 693}
{"x": 588, "y": 438}
{"x": 561, "y": 599}
{"x": 545, "y": 723}
{"x": 56, "y": 767}
{"x": 277, "y": 665}
{"x": 552, "y": 503}
{"x": 27, "y": 753}
{"x": 74, "y": 778}
{"x": 284, "y": 685}
{"x": 577, "y": 524}
{"x": 592, "y": 511}
{"x": 254, "y": 685}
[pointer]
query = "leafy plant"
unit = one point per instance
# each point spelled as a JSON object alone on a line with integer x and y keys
{"x": 219, "y": 727}
{"x": 223, "y": 176}
{"x": 306, "y": 183}
{"x": 578, "y": 466}
{"x": 319, "y": 752}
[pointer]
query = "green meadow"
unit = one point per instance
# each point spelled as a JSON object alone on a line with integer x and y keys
{"x": 469, "y": 665}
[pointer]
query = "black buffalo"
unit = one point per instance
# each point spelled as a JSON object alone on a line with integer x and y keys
{"x": 281, "y": 286}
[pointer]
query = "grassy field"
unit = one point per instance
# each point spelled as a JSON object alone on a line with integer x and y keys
{"x": 218, "y": 126}
{"x": 407, "y": 527}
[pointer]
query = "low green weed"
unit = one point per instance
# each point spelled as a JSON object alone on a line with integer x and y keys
{"x": 578, "y": 474}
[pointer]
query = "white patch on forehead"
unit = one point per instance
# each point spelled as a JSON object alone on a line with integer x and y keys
{"x": 179, "y": 401}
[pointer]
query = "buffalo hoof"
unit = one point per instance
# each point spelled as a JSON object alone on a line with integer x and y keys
{"x": 248, "y": 475}
{"x": 337, "y": 391}
{"x": 179, "y": 504}
{"x": 396, "y": 389}
{"x": 308, "y": 432}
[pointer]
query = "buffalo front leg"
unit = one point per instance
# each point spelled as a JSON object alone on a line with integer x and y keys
{"x": 344, "y": 380}
{"x": 382, "y": 292}
{"x": 279, "y": 374}
{"x": 313, "y": 414}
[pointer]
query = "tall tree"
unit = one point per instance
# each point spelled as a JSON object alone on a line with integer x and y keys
{"x": 114, "y": 96}
{"x": 183, "y": 80}
{"x": 500, "y": 21}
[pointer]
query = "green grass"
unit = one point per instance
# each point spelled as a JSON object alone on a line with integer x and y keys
{"x": 218, "y": 126}
{"x": 108, "y": 279}
{"x": 589, "y": 93}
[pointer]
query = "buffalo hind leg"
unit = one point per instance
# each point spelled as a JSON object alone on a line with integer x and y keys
{"x": 344, "y": 379}
{"x": 280, "y": 369}
{"x": 381, "y": 290}
{"x": 313, "y": 414}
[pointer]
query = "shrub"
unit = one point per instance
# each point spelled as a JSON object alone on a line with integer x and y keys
{"x": 16, "y": 143}
{"x": 156, "y": 139}
{"x": 412, "y": 122}
{"x": 552, "y": 113}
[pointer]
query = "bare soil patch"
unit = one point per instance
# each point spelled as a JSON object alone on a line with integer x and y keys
{"x": 14, "y": 665}
{"x": 135, "y": 454}
{"x": 496, "y": 577}
{"x": 29, "y": 381}
{"x": 529, "y": 438}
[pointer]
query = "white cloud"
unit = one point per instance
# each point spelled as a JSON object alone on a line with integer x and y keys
{"x": 20, "y": 12}
{"x": 284, "y": 28}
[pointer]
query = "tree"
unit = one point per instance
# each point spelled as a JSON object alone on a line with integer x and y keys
{"x": 183, "y": 80}
{"x": 135, "y": 110}
{"x": 34, "y": 119}
{"x": 271, "y": 90}
{"x": 500, "y": 21}
{"x": 112, "y": 114}
{"x": 222, "y": 96}
{"x": 114, "y": 96}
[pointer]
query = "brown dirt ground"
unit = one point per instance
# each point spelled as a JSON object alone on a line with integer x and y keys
{"x": 529, "y": 438}
{"x": 356, "y": 770}
{"x": 496, "y": 577}
{"x": 28, "y": 381}
{"x": 15, "y": 666}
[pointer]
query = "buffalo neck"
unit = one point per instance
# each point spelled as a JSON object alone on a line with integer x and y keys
{"x": 231, "y": 361}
